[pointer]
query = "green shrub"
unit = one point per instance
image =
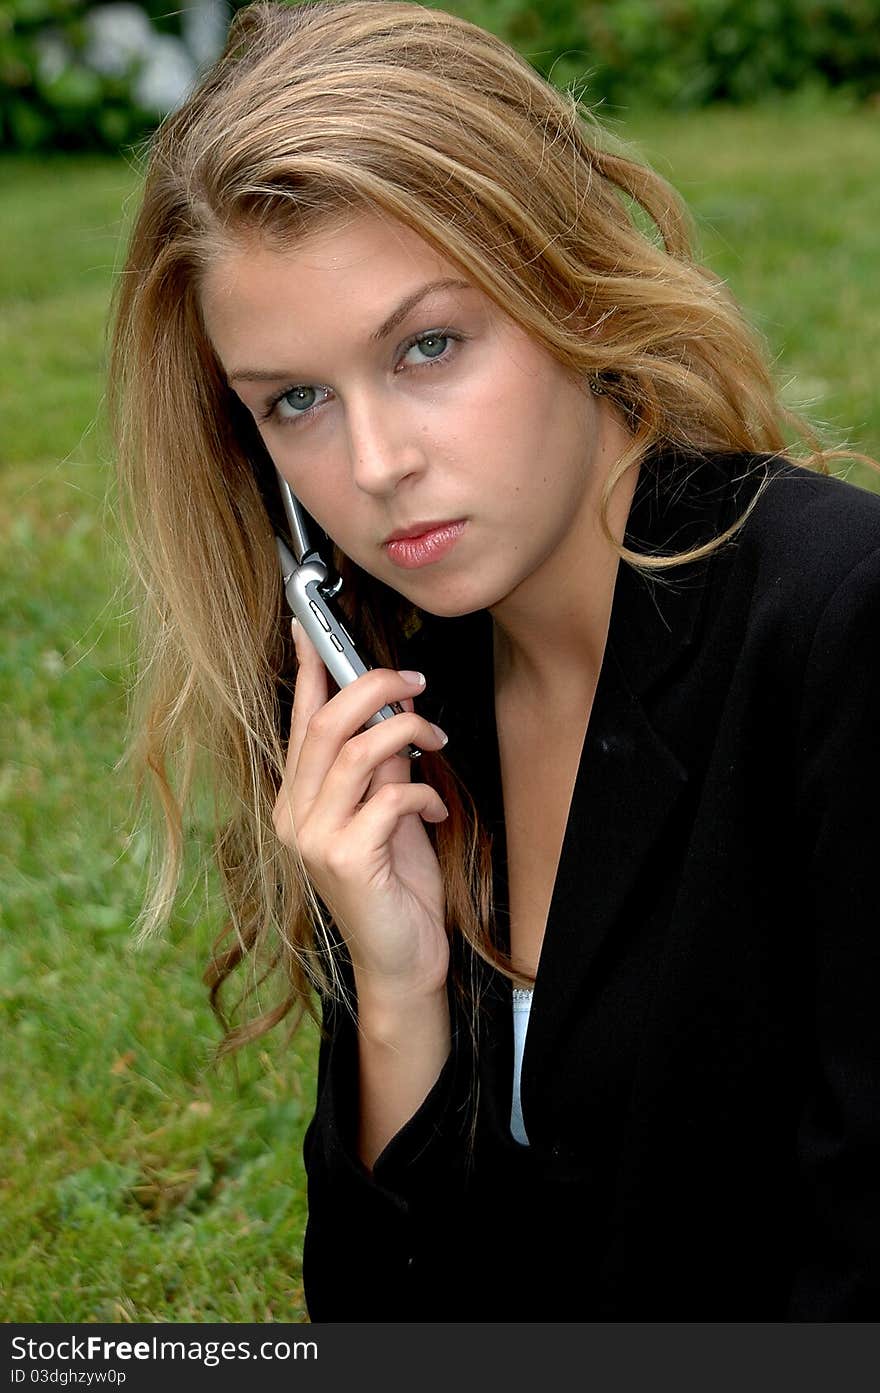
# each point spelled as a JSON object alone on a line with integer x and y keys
{"x": 675, "y": 54}
{"x": 689, "y": 53}
{"x": 52, "y": 95}
{"x": 49, "y": 97}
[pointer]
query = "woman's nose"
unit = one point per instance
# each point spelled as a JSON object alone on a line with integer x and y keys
{"x": 384, "y": 443}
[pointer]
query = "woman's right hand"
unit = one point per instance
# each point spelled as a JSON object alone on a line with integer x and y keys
{"x": 348, "y": 804}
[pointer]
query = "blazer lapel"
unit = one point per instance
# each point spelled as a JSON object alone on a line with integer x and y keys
{"x": 629, "y": 780}
{"x": 627, "y": 786}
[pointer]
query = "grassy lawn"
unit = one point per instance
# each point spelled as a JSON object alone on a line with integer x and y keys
{"x": 138, "y": 1183}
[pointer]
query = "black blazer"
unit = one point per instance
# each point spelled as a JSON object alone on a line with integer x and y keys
{"x": 701, "y": 1079}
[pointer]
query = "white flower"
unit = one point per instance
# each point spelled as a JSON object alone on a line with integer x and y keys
{"x": 205, "y": 23}
{"x": 118, "y": 37}
{"x": 166, "y": 76}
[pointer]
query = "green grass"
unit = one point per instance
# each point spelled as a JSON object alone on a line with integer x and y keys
{"x": 137, "y": 1182}
{"x": 784, "y": 198}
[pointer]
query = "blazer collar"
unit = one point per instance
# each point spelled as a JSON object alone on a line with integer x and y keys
{"x": 680, "y": 502}
{"x": 628, "y": 779}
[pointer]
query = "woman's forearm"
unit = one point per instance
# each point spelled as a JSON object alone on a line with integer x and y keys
{"x": 402, "y": 1049}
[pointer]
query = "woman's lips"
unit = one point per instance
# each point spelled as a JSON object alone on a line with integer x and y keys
{"x": 411, "y": 552}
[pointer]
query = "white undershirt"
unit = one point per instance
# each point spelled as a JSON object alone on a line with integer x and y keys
{"x": 522, "y": 1001}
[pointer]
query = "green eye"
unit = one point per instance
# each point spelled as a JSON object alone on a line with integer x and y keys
{"x": 300, "y": 398}
{"x": 432, "y": 345}
{"x": 298, "y": 402}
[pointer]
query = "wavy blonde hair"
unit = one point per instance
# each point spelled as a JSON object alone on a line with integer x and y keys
{"x": 313, "y": 111}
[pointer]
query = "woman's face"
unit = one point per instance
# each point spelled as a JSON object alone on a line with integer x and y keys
{"x": 388, "y": 400}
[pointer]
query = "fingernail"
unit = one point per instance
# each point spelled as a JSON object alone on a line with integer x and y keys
{"x": 415, "y": 679}
{"x": 441, "y": 734}
{"x": 294, "y": 629}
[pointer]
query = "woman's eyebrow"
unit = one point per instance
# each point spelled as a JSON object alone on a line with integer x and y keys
{"x": 395, "y": 318}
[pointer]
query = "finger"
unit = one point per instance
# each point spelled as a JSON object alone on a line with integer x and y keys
{"x": 376, "y": 822}
{"x": 309, "y": 695}
{"x": 389, "y": 771}
{"x": 349, "y": 781}
{"x": 368, "y": 834}
{"x": 340, "y": 720}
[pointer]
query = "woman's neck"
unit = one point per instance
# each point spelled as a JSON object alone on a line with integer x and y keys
{"x": 550, "y": 633}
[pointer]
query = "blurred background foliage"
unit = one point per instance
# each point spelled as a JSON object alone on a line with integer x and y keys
{"x": 689, "y": 53}
{"x": 98, "y": 74}
{"x": 91, "y": 74}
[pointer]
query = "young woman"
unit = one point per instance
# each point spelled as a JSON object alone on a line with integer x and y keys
{"x": 598, "y": 977}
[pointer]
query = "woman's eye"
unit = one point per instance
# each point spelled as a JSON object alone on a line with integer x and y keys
{"x": 298, "y": 404}
{"x": 432, "y": 345}
{"x": 298, "y": 401}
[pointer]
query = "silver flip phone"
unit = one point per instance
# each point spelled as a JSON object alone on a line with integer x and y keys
{"x": 309, "y": 588}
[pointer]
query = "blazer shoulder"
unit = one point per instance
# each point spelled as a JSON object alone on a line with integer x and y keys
{"x": 820, "y": 520}
{"x": 808, "y": 532}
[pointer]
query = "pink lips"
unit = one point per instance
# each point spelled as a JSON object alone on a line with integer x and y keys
{"x": 411, "y": 552}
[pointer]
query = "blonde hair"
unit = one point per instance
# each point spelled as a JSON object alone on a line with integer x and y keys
{"x": 313, "y": 111}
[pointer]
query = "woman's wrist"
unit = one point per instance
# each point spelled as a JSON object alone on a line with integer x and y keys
{"x": 403, "y": 1046}
{"x": 388, "y": 1014}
